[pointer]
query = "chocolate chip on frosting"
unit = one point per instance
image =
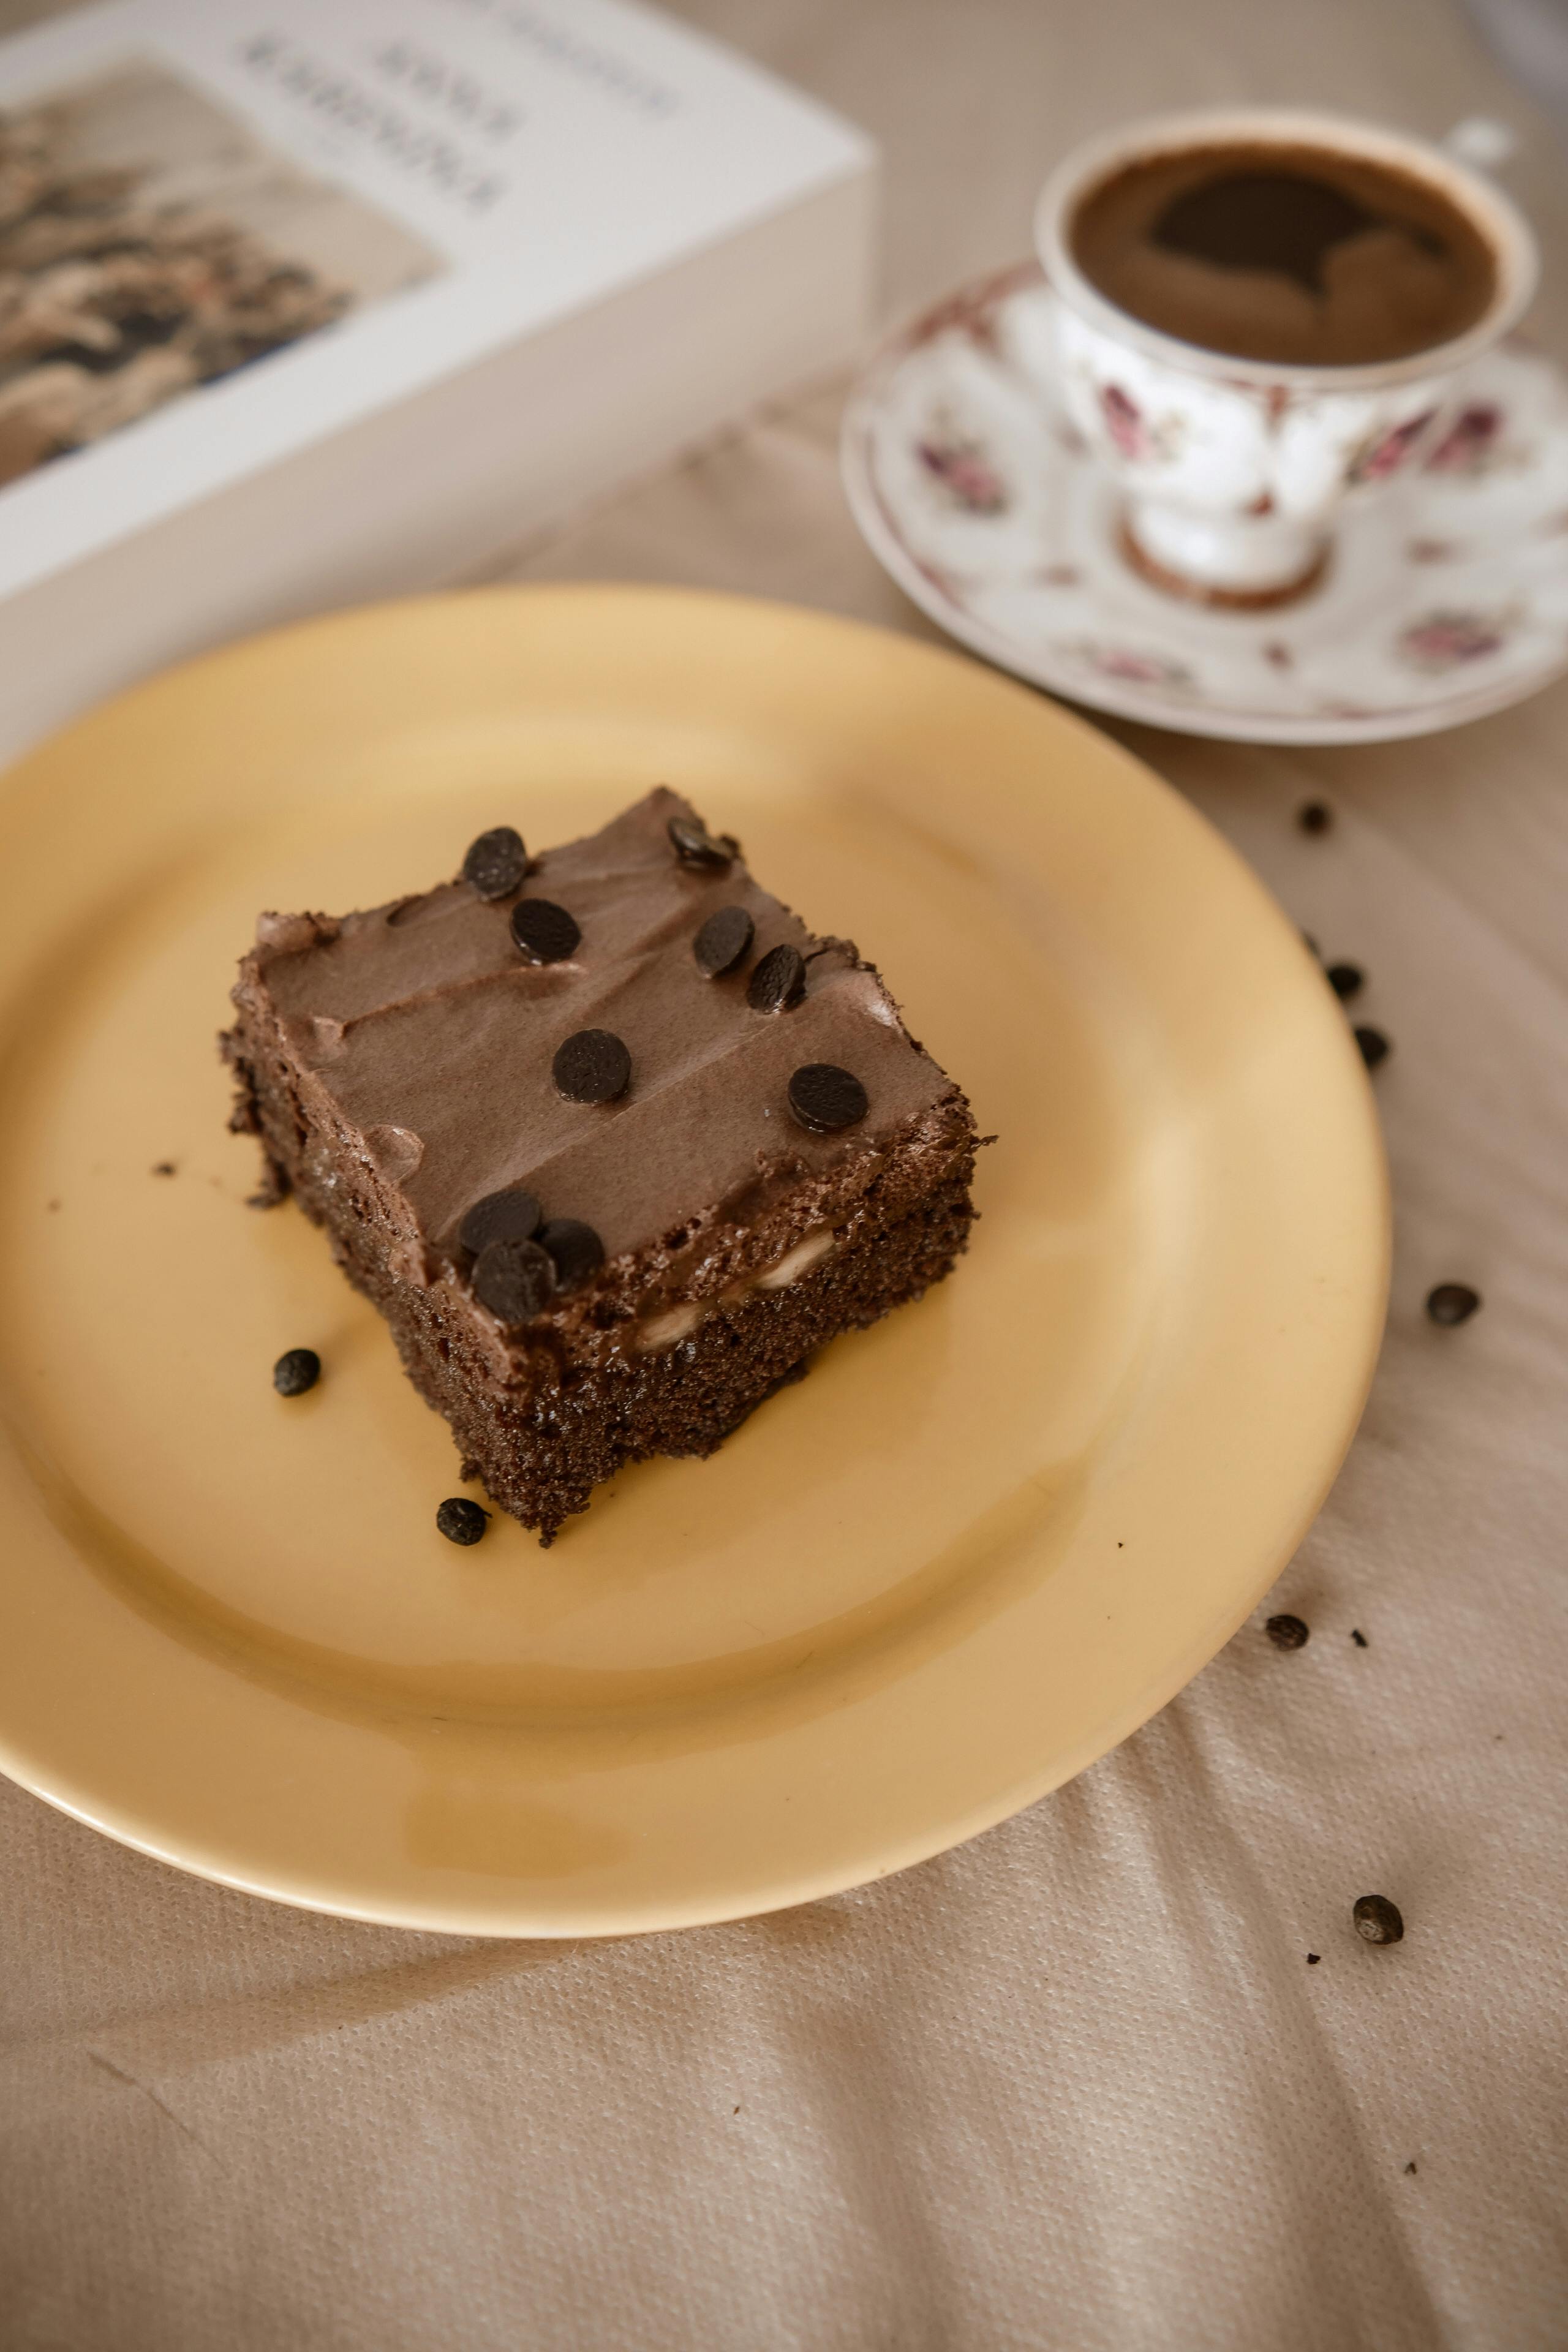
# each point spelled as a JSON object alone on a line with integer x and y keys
{"x": 1374, "y": 1047}
{"x": 509, "y": 1216}
{"x": 1345, "y": 979}
{"x": 695, "y": 845}
{"x": 515, "y": 1279}
{"x": 593, "y": 1066}
{"x": 725, "y": 938}
{"x": 544, "y": 933}
{"x": 1452, "y": 1302}
{"x": 496, "y": 863}
{"x": 824, "y": 1099}
{"x": 575, "y": 1251}
{"x": 778, "y": 981}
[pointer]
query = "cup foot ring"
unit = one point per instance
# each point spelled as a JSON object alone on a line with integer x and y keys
{"x": 1206, "y": 592}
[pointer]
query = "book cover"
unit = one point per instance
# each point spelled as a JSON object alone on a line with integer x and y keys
{"x": 233, "y": 234}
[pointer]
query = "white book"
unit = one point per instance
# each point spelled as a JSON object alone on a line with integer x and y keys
{"x": 303, "y": 301}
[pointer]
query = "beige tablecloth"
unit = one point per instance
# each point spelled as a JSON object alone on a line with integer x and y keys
{"x": 1077, "y": 2085}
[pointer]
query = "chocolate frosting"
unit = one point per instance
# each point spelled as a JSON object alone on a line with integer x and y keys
{"x": 434, "y": 1039}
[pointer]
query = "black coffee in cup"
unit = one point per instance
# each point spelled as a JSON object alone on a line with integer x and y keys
{"x": 1286, "y": 253}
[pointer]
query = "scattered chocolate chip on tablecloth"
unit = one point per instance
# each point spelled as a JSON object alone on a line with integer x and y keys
{"x": 1377, "y": 1920}
{"x": 1287, "y": 1633}
{"x": 1452, "y": 1302}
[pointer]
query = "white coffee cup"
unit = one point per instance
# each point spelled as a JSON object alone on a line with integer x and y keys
{"x": 1233, "y": 470}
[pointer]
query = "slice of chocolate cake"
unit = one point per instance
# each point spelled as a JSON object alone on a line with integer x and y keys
{"x": 608, "y": 1137}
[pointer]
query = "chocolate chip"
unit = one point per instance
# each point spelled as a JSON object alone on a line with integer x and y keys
{"x": 1374, "y": 1047}
{"x": 511, "y": 1217}
{"x": 1345, "y": 979}
{"x": 1314, "y": 816}
{"x": 1287, "y": 1633}
{"x": 1377, "y": 1919}
{"x": 1359, "y": 1638}
{"x": 575, "y": 1251}
{"x": 1312, "y": 1958}
{"x": 300, "y": 1370}
{"x": 1411, "y": 2166}
{"x": 496, "y": 863}
{"x": 695, "y": 845}
{"x": 460, "y": 1521}
{"x": 1452, "y": 1302}
{"x": 545, "y": 932}
{"x": 593, "y": 1066}
{"x": 825, "y": 1097}
{"x": 515, "y": 1279}
{"x": 723, "y": 940}
{"x": 778, "y": 981}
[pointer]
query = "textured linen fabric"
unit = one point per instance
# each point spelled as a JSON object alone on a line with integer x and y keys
{"x": 1078, "y": 2085}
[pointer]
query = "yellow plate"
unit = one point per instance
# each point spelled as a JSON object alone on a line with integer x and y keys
{"x": 976, "y": 1548}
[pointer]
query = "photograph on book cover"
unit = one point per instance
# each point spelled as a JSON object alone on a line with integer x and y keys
{"x": 151, "y": 242}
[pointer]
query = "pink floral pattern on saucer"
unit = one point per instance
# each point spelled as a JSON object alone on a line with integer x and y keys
{"x": 1130, "y": 431}
{"x": 983, "y": 504}
{"x": 1136, "y": 668}
{"x": 1440, "y": 641}
{"x": 1124, "y": 422}
{"x": 1471, "y": 442}
{"x": 965, "y": 472}
{"x": 1389, "y": 451}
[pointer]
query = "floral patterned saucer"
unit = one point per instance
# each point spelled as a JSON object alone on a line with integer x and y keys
{"x": 1444, "y": 601}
